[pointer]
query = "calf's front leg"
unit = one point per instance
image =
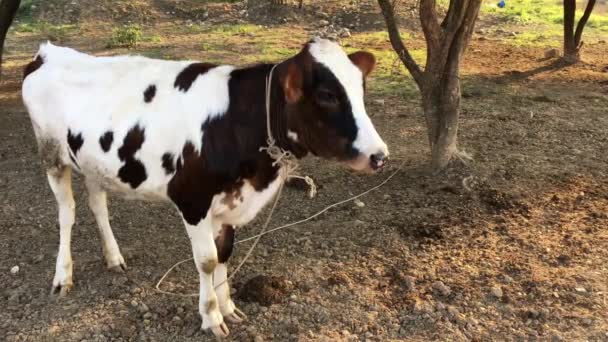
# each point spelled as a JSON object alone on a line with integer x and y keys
{"x": 224, "y": 241}
{"x": 205, "y": 258}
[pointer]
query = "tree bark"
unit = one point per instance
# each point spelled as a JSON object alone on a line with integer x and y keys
{"x": 570, "y": 49}
{"x": 8, "y": 9}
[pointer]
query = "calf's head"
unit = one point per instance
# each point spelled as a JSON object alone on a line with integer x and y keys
{"x": 324, "y": 89}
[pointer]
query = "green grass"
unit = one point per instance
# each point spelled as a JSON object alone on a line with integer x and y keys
{"x": 126, "y": 36}
{"x": 544, "y": 38}
{"x": 549, "y": 12}
{"x": 233, "y": 29}
{"x": 46, "y": 30}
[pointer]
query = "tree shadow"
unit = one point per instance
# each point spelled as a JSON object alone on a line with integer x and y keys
{"x": 516, "y": 75}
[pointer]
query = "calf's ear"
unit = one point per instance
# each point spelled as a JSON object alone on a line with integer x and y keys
{"x": 364, "y": 60}
{"x": 292, "y": 83}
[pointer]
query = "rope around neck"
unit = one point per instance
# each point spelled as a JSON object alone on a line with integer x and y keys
{"x": 287, "y": 162}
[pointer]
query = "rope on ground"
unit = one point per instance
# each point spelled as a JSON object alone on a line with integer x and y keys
{"x": 263, "y": 232}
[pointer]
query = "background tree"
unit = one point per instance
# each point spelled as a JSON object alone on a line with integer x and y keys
{"x": 439, "y": 82}
{"x": 8, "y": 9}
{"x": 572, "y": 38}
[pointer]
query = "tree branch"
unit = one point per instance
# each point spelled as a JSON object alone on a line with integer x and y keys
{"x": 455, "y": 15}
{"x": 462, "y": 35}
{"x": 430, "y": 25}
{"x": 582, "y": 22}
{"x": 397, "y": 43}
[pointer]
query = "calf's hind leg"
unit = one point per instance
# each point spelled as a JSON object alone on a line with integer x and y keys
{"x": 99, "y": 206}
{"x": 60, "y": 180}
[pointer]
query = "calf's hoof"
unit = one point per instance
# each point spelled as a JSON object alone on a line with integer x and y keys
{"x": 116, "y": 263}
{"x": 213, "y": 320}
{"x": 120, "y": 268}
{"x": 220, "y": 331}
{"x": 61, "y": 290}
{"x": 237, "y": 316}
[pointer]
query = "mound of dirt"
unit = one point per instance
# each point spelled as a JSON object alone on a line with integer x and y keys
{"x": 265, "y": 290}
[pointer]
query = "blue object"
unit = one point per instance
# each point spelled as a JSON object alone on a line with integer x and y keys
{"x": 501, "y": 4}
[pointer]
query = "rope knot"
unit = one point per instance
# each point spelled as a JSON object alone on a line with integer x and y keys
{"x": 287, "y": 162}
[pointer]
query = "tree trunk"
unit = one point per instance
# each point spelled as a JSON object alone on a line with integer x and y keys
{"x": 8, "y": 9}
{"x": 441, "y": 106}
{"x": 570, "y": 49}
{"x": 439, "y": 83}
{"x": 573, "y": 39}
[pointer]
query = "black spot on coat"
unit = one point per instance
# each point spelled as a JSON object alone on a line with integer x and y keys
{"x": 168, "y": 163}
{"x": 32, "y": 66}
{"x": 133, "y": 171}
{"x": 75, "y": 142}
{"x": 186, "y": 77}
{"x": 106, "y": 141}
{"x": 224, "y": 243}
{"x": 149, "y": 93}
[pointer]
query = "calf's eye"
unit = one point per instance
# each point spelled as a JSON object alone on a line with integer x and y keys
{"x": 326, "y": 98}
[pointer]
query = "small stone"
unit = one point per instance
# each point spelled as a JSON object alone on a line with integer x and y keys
{"x": 143, "y": 308}
{"x": 441, "y": 288}
{"x": 551, "y": 53}
{"x": 507, "y": 279}
{"x": 409, "y": 282}
{"x": 379, "y": 102}
{"x": 15, "y": 270}
{"x": 496, "y": 291}
{"x": 323, "y": 22}
{"x": 258, "y": 338}
{"x": 452, "y": 311}
{"x": 580, "y": 289}
{"x": 359, "y": 203}
{"x": 148, "y": 315}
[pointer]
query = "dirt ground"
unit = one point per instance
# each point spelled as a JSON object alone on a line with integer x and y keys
{"x": 513, "y": 246}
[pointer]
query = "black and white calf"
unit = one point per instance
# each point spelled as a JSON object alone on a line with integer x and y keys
{"x": 191, "y": 133}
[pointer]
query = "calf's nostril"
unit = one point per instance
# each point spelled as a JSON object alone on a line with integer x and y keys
{"x": 378, "y": 159}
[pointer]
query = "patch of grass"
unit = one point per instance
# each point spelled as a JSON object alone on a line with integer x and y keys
{"x": 273, "y": 53}
{"x": 234, "y": 29}
{"x": 540, "y": 38}
{"x": 46, "y": 30}
{"x": 126, "y": 36}
{"x": 547, "y": 12}
{"x": 159, "y": 53}
{"x": 152, "y": 38}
